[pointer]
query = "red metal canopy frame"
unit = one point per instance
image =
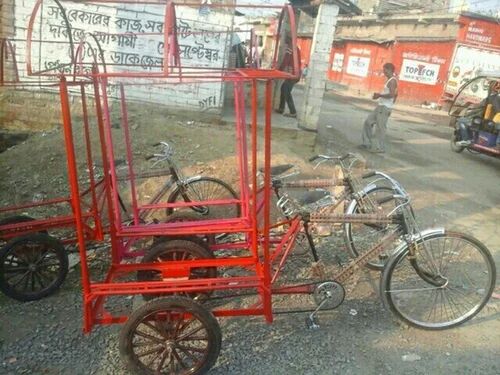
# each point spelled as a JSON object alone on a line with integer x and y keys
{"x": 254, "y": 221}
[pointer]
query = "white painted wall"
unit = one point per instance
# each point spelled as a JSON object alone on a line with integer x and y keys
{"x": 203, "y": 39}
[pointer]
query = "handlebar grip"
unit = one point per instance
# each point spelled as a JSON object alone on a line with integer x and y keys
{"x": 157, "y": 144}
{"x": 385, "y": 199}
{"x": 149, "y": 157}
{"x": 369, "y": 174}
{"x": 313, "y": 158}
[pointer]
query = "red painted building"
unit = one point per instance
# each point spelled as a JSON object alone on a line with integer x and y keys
{"x": 432, "y": 55}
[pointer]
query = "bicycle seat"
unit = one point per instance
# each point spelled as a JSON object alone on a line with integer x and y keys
{"x": 278, "y": 169}
{"x": 312, "y": 197}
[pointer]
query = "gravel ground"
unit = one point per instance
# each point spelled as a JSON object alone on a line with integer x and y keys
{"x": 360, "y": 337}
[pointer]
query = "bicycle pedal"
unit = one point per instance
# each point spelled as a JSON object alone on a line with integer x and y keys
{"x": 312, "y": 323}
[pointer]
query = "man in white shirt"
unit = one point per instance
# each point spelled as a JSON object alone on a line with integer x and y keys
{"x": 378, "y": 118}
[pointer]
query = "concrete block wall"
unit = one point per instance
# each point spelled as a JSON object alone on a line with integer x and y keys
{"x": 318, "y": 65}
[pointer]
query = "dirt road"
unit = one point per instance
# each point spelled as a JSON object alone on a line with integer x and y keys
{"x": 360, "y": 337}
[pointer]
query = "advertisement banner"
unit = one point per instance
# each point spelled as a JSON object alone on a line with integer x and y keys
{"x": 468, "y": 63}
{"x": 358, "y": 66}
{"x": 419, "y": 72}
{"x": 338, "y": 62}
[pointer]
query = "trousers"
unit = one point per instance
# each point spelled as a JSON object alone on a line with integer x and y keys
{"x": 375, "y": 128}
{"x": 286, "y": 96}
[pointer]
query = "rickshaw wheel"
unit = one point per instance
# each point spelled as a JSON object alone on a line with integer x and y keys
{"x": 453, "y": 143}
{"x": 173, "y": 250}
{"x": 172, "y": 335}
{"x": 32, "y": 267}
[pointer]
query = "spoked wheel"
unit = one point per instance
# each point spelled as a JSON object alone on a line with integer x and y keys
{"x": 206, "y": 189}
{"x": 449, "y": 280}
{"x": 32, "y": 267}
{"x": 359, "y": 237}
{"x": 166, "y": 251}
{"x": 173, "y": 335}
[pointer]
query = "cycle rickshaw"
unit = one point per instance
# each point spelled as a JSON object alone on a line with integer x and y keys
{"x": 177, "y": 331}
{"x": 475, "y": 116}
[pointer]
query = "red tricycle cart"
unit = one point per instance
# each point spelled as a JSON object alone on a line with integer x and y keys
{"x": 186, "y": 267}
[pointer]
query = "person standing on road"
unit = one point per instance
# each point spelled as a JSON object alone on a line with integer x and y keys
{"x": 287, "y": 85}
{"x": 378, "y": 118}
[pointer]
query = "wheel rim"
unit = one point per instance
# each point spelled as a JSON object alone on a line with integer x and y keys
{"x": 31, "y": 267}
{"x": 208, "y": 190}
{"x": 171, "y": 341}
{"x": 466, "y": 282}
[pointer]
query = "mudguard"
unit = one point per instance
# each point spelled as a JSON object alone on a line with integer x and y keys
{"x": 422, "y": 235}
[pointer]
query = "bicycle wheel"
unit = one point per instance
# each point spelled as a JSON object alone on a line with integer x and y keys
{"x": 32, "y": 267}
{"x": 447, "y": 282}
{"x": 206, "y": 189}
{"x": 360, "y": 237}
{"x": 173, "y": 335}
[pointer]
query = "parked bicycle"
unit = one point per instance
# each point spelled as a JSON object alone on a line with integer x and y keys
{"x": 357, "y": 196}
{"x": 434, "y": 279}
{"x": 34, "y": 262}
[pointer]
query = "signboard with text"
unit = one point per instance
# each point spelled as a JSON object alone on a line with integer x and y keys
{"x": 358, "y": 66}
{"x": 468, "y": 63}
{"x": 419, "y": 72}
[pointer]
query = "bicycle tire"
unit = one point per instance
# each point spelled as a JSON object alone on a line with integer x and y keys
{"x": 206, "y": 189}
{"x": 359, "y": 238}
{"x": 160, "y": 328}
{"x": 32, "y": 267}
{"x": 426, "y": 291}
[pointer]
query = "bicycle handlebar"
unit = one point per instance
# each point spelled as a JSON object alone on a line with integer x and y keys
{"x": 328, "y": 157}
{"x": 369, "y": 174}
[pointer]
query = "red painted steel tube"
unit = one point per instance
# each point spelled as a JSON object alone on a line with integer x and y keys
{"x": 36, "y": 204}
{"x": 115, "y": 213}
{"x": 266, "y": 288}
{"x": 254, "y": 145}
{"x": 289, "y": 241}
{"x": 128, "y": 149}
{"x": 243, "y": 152}
{"x": 105, "y": 165}
{"x": 75, "y": 195}
{"x": 90, "y": 165}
